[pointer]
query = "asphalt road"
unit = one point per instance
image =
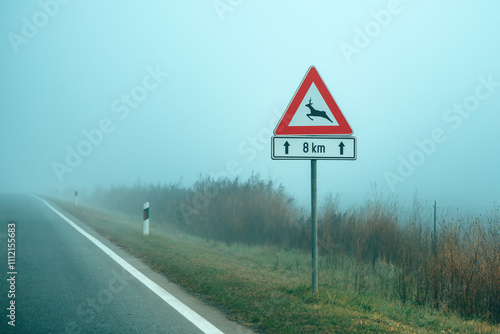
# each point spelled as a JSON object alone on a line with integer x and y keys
{"x": 64, "y": 283}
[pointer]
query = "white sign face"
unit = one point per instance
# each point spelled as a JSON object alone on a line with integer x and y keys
{"x": 312, "y": 111}
{"x": 313, "y": 147}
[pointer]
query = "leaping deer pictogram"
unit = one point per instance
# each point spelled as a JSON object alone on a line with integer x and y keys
{"x": 315, "y": 112}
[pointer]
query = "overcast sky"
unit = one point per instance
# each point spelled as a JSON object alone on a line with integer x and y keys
{"x": 109, "y": 92}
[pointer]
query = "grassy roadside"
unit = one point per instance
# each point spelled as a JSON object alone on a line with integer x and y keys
{"x": 269, "y": 289}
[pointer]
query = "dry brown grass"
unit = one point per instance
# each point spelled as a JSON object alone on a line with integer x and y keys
{"x": 458, "y": 269}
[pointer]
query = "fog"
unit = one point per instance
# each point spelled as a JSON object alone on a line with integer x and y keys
{"x": 101, "y": 93}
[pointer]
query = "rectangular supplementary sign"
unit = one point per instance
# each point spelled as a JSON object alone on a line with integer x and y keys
{"x": 313, "y": 147}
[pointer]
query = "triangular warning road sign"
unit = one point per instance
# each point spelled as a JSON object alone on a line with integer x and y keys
{"x": 301, "y": 118}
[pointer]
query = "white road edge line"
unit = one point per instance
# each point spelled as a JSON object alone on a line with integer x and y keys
{"x": 186, "y": 312}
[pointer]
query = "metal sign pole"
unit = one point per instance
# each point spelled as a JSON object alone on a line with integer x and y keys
{"x": 303, "y": 139}
{"x": 314, "y": 224}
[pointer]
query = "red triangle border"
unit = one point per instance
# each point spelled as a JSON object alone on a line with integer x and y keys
{"x": 283, "y": 128}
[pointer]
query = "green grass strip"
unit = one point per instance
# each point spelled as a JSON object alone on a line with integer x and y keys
{"x": 269, "y": 289}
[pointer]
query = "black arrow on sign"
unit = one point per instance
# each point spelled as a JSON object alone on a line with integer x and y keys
{"x": 286, "y": 147}
{"x": 341, "y": 145}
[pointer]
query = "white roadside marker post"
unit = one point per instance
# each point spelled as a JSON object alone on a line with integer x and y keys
{"x": 145, "y": 226}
